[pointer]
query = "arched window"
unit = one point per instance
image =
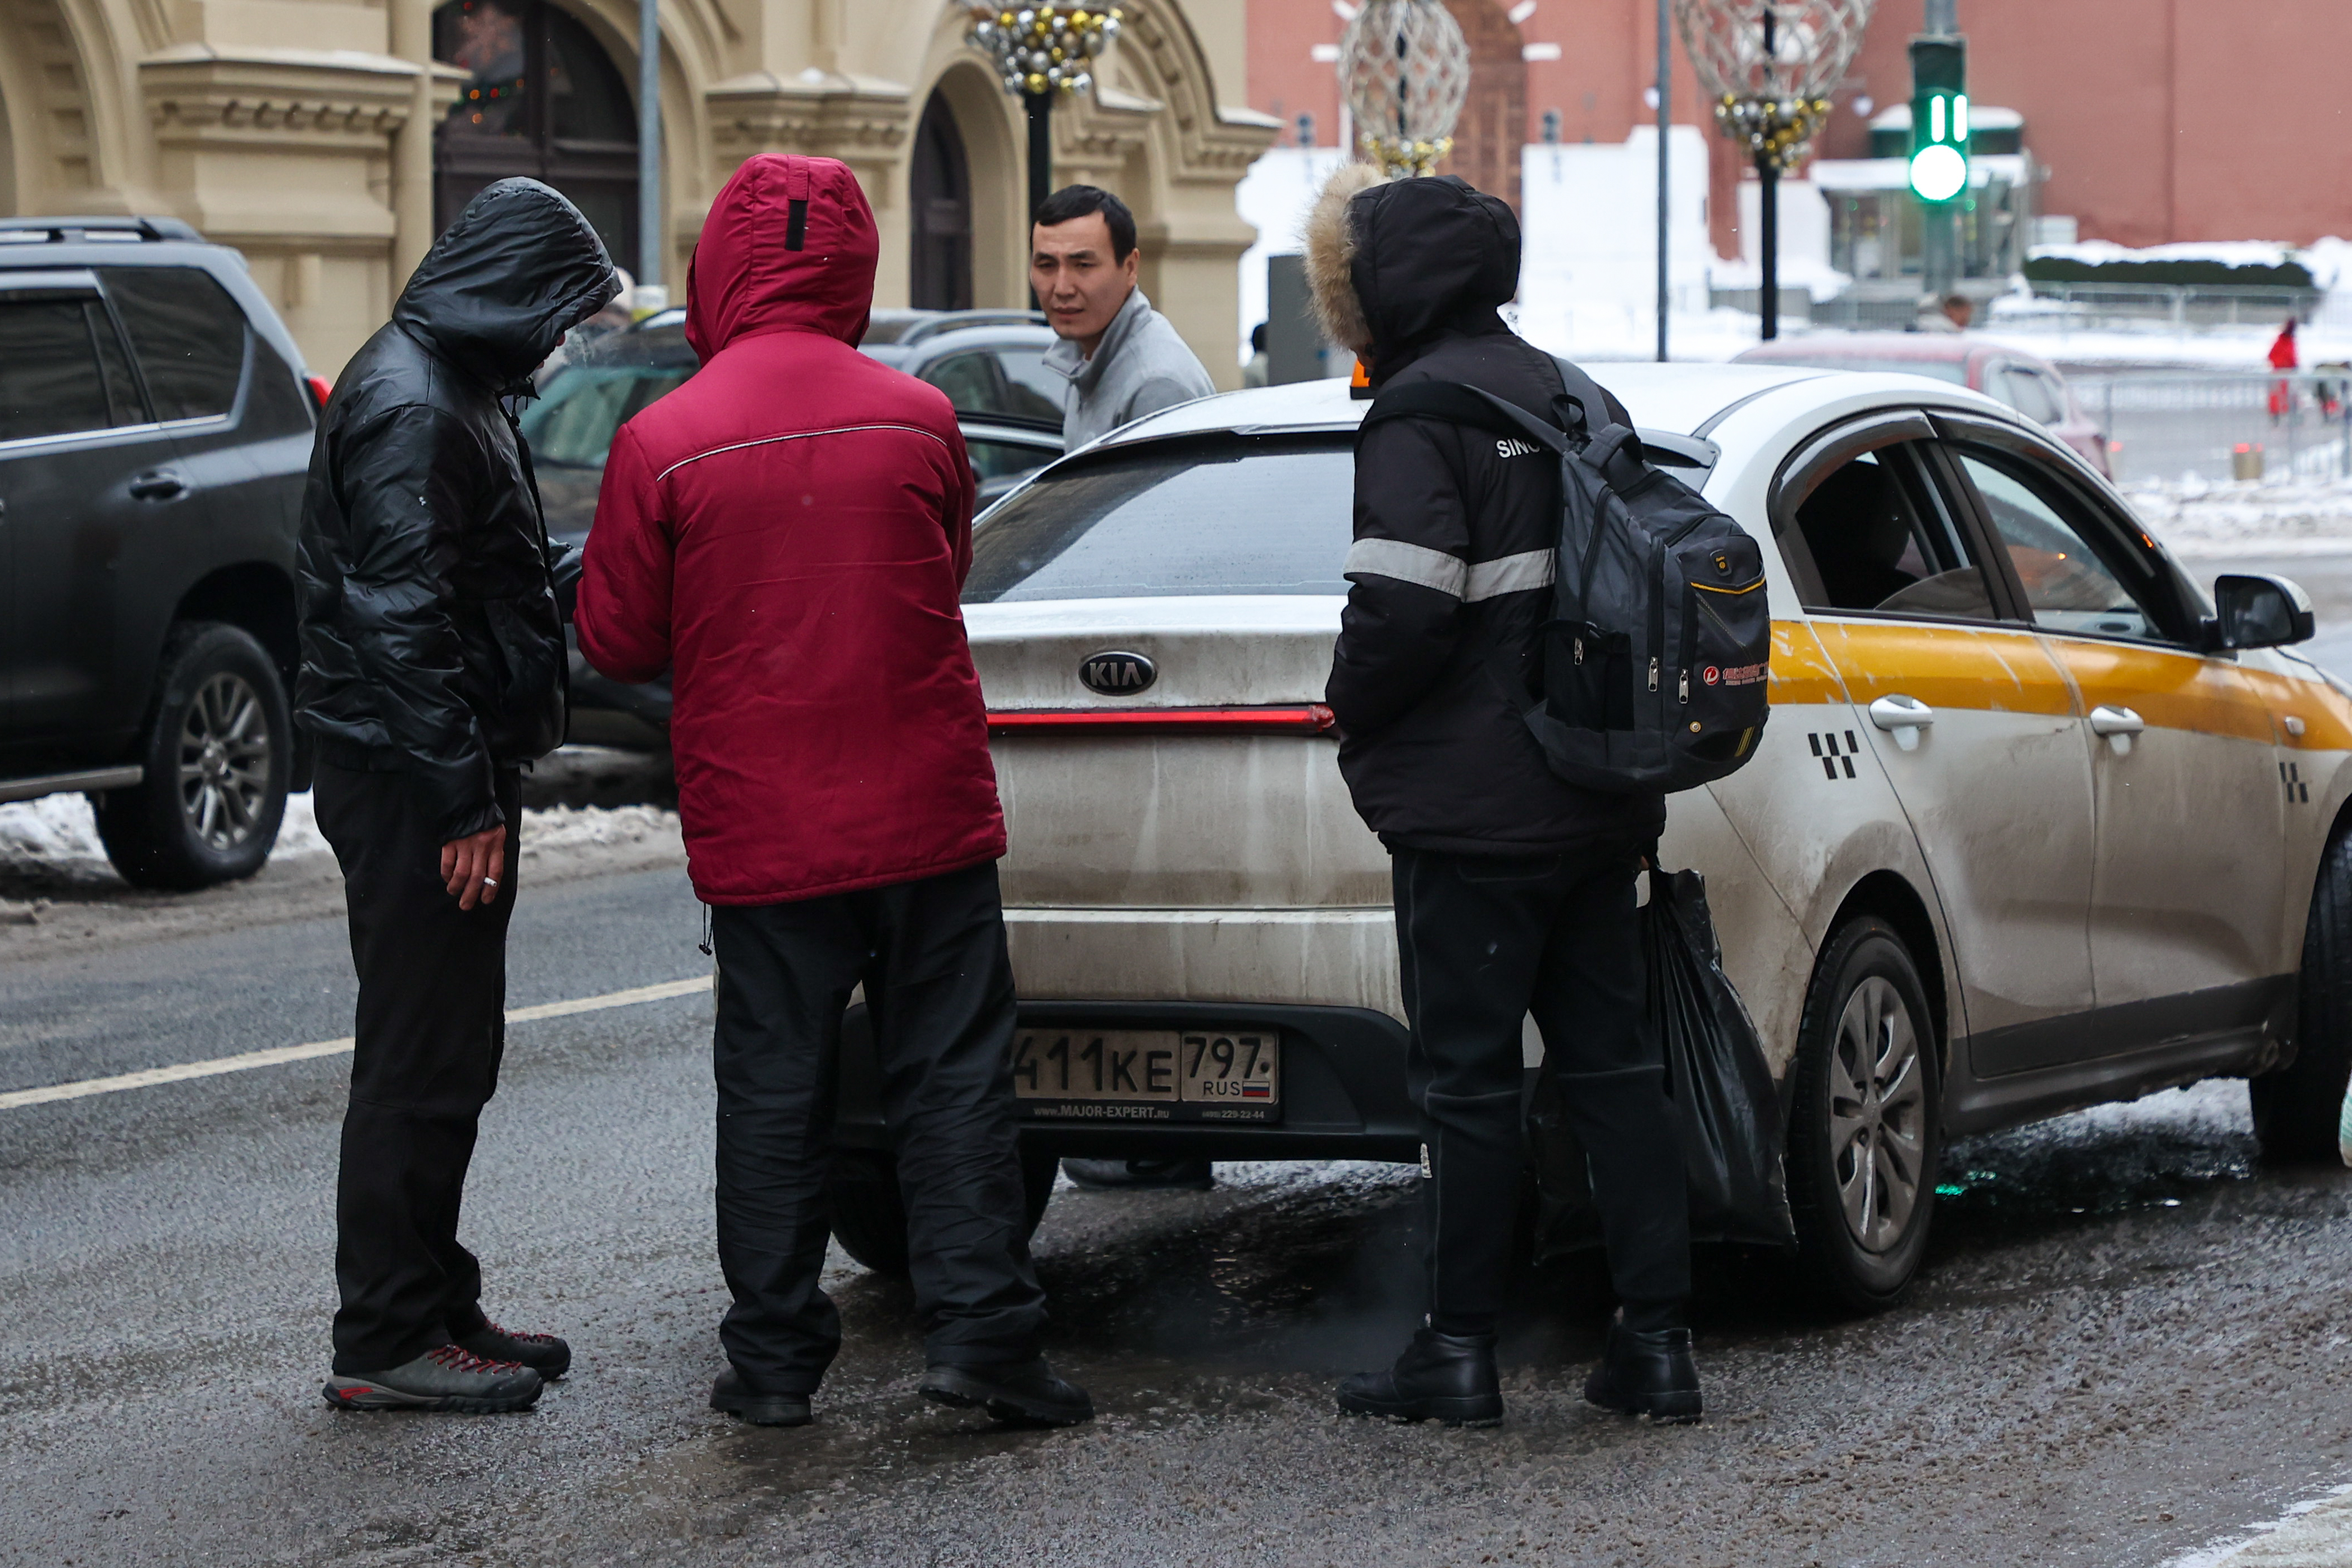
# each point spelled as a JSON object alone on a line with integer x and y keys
{"x": 941, "y": 277}
{"x": 543, "y": 99}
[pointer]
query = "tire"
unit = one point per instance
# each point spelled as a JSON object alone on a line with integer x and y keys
{"x": 1862, "y": 1223}
{"x": 869, "y": 1219}
{"x": 219, "y": 754}
{"x": 2298, "y": 1107}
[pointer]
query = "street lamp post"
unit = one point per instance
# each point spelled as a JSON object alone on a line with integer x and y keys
{"x": 1770, "y": 66}
{"x": 1043, "y": 52}
{"x": 1404, "y": 70}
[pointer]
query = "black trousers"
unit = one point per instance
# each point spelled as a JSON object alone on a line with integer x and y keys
{"x": 430, "y": 1032}
{"x": 1485, "y": 941}
{"x": 939, "y": 986}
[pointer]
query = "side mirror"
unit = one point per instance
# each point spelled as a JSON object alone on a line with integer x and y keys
{"x": 2260, "y": 611}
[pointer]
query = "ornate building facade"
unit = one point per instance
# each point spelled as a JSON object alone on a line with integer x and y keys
{"x": 330, "y": 140}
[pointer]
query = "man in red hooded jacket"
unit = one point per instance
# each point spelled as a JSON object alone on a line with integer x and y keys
{"x": 788, "y": 534}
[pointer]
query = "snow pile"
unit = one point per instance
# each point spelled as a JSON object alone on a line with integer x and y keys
{"x": 598, "y": 827}
{"x": 2287, "y": 518}
{"x": 60, "y": 831}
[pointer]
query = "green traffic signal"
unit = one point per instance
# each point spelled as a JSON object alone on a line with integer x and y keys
{"x": 1939, "y": 118}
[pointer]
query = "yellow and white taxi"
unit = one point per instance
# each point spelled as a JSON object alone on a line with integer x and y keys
{"x": 2034, "y": 825}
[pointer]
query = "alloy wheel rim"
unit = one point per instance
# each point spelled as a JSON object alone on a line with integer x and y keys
{"x": 225, "y": 755}
{"x": 1878, "y": 1103}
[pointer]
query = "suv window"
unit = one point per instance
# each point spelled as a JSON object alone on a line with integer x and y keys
{"x": 61, "y": 370}
{"x": 1249, "y": 517}
{"x": 578, "y": 413}
{"x": 1883, "y": 544}
{"x": 2069, "y": 587}
{"x": 997, "y": 381}
{"x": 189, "y": 336}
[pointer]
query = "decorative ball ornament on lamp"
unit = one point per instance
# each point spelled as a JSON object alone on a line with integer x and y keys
{"x": 1043, "y": 53}
{"x": 1044, "y": 50}
{"x": 1404, "y": 70}
{"x": 1770, "y": 67}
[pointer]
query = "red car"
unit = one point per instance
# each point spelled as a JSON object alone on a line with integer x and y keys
{"x": 2031, "y": 385}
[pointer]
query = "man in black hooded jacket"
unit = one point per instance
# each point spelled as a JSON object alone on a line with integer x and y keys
{"x": 433, "y": 670}
{"x": 1513, "y": 889}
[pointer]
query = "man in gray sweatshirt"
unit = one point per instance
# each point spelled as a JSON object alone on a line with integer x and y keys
{"x": 1123, "y": 359}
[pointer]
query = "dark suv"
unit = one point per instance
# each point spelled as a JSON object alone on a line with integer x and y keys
{"x": 155, "y": 422}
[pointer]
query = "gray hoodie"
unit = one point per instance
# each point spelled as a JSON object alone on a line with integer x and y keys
{"x": 1140, "y": 368}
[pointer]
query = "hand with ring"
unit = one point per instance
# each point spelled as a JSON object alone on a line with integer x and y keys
{"x": 470, "y": 866}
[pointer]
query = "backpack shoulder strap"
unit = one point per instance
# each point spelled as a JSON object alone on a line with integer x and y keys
{"x": 1599, "y": 407}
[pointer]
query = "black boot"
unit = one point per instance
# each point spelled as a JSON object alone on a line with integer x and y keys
{"x": 1024, "y": 1394}
{"x": 1648, "y": 1374}
{"x": 1440, "y": 1377}
{"x": 732, "y": 1395}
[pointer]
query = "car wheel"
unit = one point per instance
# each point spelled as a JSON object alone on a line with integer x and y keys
{"x": 869, "y": 1217}
{"x": 1865, "y": 1138}
{"x": 217, "y": 757}
{"x": 2298, "y": 1109}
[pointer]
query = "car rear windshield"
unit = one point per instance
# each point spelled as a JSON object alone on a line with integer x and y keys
{"x": 1248, "y": 516}
{"x": 1952, "y": 370}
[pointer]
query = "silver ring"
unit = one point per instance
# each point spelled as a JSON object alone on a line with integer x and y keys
{"x": 490, "y": 881}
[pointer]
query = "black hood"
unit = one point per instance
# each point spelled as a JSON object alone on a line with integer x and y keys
{"x": 1430, "y": 254}
{"x": 518, "y": 269}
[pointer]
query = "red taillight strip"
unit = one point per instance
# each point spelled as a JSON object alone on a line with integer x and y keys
{"x": 1311, "y": 719}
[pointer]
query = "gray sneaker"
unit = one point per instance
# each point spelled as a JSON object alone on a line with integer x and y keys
{"x": 443, "y": 1378}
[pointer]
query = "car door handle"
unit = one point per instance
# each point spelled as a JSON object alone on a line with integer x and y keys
{"x": 158, "y": 484}
{"x": 1903, "y": 718}
{"x": 2118, "y": 725}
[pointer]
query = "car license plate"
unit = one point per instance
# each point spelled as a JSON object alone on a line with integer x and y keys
{"x": 1149, "y": 1074}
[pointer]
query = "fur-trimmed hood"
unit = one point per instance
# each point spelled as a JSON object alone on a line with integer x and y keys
{"x": 1391, "y": 263}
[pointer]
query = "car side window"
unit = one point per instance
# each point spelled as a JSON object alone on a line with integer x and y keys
{"x": 2031, "y": 393}
{"x": 1883, "y": 543}
{"x": 996, "y": 459}
{"x": 1032, "y": 391}
{"x": 50, "y": 380}
{"x": 189, "y": 336}
{"x": 2068, "y": 587}
{"x": 970, "y": 382}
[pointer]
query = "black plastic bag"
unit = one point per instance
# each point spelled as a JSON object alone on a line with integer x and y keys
{"x": 1726, "y": 1106}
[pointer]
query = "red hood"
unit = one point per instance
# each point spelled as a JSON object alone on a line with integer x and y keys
{"x": 746, "y": 279}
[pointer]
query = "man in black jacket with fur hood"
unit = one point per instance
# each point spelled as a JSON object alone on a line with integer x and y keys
{"x": 433, "y": 672}
{"x": 1514, "y": 888}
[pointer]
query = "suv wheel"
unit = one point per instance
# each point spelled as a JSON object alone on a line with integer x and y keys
{"x": 217, "y": 756}
{"x": 869, "y": 1219}
{"x": 1865, "y": 1138}
{"x": 2299, "y": 1108}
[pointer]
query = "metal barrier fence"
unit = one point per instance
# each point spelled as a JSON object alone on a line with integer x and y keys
{"x": 2183, "y": 308}
{"x": 2217, "y": 425}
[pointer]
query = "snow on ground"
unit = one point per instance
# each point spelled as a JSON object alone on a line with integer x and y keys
{"x": 59, "y": 829}
{"x": 2274, "y": 517}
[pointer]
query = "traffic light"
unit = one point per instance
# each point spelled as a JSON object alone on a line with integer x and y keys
{"x": 1939, "y": 118}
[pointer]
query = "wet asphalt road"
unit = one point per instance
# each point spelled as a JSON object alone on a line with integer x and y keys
{"x": 2129, "y": 1339}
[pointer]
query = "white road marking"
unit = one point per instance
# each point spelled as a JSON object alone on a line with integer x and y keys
{"x": 245, "y": 1061}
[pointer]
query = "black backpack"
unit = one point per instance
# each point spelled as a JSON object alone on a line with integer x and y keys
{"x": 1655, "y": 658}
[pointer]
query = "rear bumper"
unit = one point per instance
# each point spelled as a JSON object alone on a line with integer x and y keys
{"x": 1343, "y": 1088}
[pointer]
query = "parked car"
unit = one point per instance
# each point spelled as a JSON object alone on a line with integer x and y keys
{"x": 155, "y": 424}
{"x": 2034, "y": 825}
{"x": 2030, "y": 385}
{"x": 985, "y": 361}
